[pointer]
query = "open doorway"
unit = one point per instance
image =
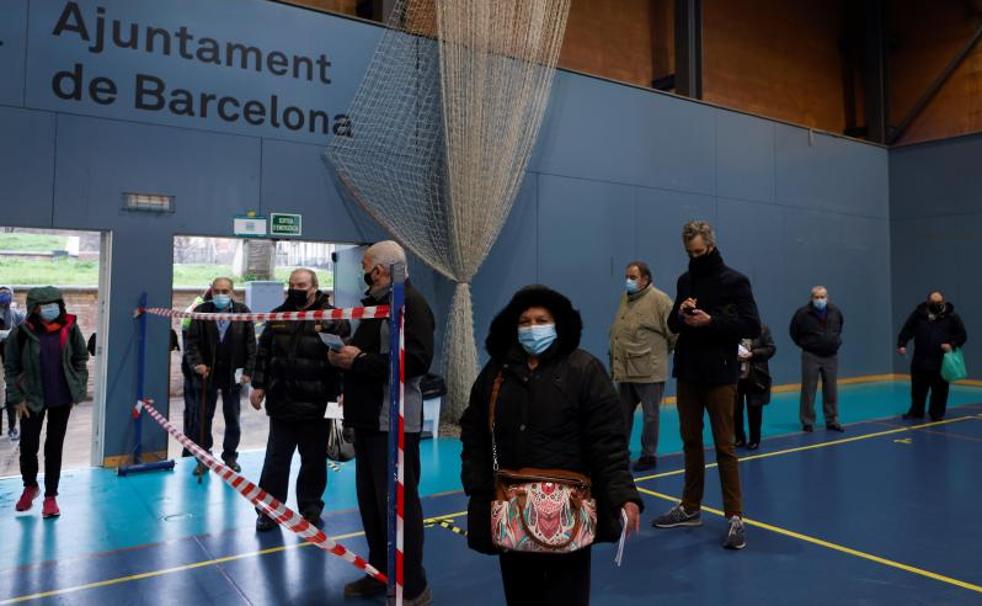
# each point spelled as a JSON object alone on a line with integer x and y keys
{"x": 260, "y": 270}
{"x": 76, "y": 262}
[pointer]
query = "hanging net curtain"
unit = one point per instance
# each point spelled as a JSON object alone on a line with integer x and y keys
{"x": 443, "y": 126}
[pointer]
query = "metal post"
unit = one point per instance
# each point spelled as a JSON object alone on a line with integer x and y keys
{"x": 140, "y": 373}
{"x": 688, "y": 48}
{"x": 396, "y": 498}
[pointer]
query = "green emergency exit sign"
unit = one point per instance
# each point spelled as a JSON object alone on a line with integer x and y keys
{"x": 285, "y": 224}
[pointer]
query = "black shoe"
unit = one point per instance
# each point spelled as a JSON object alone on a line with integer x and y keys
{"x": 835, "y": 427}
{"x": 753, "y": 446}
{"x": 740, "y": 443}
{"x": 314, "y": 517}
{"x": 645, "y": 463}
{"x": 909, "y": 416}
{"x": 807, "y": 428}
{"x": 233, "y": 463}
{"x": 365, "y": 587}
{"x": 264, "y": 523}
{"x": 200, "y": 469}
{"x": 935, "y": 419}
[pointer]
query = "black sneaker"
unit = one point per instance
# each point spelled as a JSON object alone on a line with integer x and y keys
{"x": 740, "y": 443}
{"x": 645, "y": 463}
{"x": 200, "y": 469}
{"x": 807, "y": 428}
{"x": 425, "y": 598}
{"x": 735, "y": 538}
{"x": 264, "y": 523}
{"x": 677, "y": 516}
{"x": 13, "y": 434}
{"x": 835, "y": 427}
{"x": 233, "y": 463}
{"x": 910, "y": 416}
{"x": 753, "y": 446}
{"x": 365, "y": 587}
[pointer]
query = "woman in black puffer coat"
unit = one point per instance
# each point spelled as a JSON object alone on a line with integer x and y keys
{"x": 556, "y": 409}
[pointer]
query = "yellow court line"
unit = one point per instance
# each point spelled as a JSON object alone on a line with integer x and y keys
{"x": 194, "y": 565}
{"x": 766, "y": 455}
{"x": 834, "y": 546}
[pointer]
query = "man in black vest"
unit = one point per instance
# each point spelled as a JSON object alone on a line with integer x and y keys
{"x": 365, "y": 364}
{"x": 216, "y": 351}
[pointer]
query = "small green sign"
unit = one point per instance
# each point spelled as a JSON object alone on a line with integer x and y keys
{"x": 285, "y": 224}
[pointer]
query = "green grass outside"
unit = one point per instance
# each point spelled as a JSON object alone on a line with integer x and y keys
{"x": 31, "y": 242}
{"x": 72, "y": 272}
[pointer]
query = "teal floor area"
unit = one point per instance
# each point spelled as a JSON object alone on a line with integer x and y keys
{"x": 104, "y": 513}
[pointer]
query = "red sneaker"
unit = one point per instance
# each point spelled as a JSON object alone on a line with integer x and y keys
{"x": 27, "y": 497}
{"x": 50, "y": 508}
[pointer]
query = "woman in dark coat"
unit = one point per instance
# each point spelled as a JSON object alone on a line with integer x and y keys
{"x": 556, "y": 409}
{"x": 754, "y": 387}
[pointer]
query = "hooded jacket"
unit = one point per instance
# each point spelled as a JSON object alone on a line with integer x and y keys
{"x": 564, "y": 414}
{"x": 22, "y": 362}
{"x": 10, "y": 318}
{"x": 292, "y": 366}
{"x": 708, "y": 354}
{"x": 929, "y": 331}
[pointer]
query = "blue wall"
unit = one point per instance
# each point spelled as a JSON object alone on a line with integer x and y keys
{"x": 936, "y": 202}
{"x": 616, "y": 172}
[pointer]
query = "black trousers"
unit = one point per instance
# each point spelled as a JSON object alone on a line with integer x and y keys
{"x": 231, "y": 410}
{"x": 755, "y": 417}
{"x": 54, "y": 442}
{"x": 372, "y": 481}
{"x": 546, "y": 579}
{"x": 310, "y": 438}
{"x": 920, "y": 383}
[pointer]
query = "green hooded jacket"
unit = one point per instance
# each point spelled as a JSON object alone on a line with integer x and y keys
{"x": 22, "y": 363}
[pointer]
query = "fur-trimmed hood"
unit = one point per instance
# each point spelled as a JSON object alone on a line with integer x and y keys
{"x": 503, "y": 335}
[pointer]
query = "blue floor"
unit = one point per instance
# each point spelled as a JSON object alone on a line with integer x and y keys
{"x": 905, "y": 495}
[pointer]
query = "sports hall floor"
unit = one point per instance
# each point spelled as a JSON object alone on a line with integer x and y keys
{"x": 887, "y": 513}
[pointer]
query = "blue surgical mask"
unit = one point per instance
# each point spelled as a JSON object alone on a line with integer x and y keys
{"x": 631, "y": 285}
{"x": 221, "y": 301}
{"x": 536, "y": 339}
{"x": 820, "y": 303}
{"x": 5, "y": 298}
{"x": 50, "y": 312}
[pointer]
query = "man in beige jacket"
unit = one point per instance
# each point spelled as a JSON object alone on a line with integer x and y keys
{"x": 640, "y": 342}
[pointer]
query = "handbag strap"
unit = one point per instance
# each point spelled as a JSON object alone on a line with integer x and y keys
{"x": 495, "y": 389}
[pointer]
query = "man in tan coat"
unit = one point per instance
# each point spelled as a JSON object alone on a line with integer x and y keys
{"x": 640, "y": 342}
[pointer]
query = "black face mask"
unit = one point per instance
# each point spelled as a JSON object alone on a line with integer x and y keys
{"x": 936, "y": 308}
{"x": 368, "y": 278}
{"x": 296, "y": 297}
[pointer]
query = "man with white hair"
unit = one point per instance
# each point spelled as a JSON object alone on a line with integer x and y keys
{"x": 817, "y": 329}
{"x": 365, "y": 366}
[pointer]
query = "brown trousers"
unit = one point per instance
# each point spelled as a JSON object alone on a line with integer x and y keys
{"x": 718, "y": 400}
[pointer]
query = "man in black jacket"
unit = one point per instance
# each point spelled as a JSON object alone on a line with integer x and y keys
{"x": 817, "y": 329}
{"x": 365, "y": 364}
{"x": 936, "y": 330}
{"x": 714, "y": 310}
{"x": 215, "y": 352}
{"x": 294, "y": 377}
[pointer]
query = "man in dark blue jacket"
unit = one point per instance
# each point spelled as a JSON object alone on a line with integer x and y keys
{"x": 936, "y": 329}
{"x": 817, "y": 329}
{"x": 714, "y": 310}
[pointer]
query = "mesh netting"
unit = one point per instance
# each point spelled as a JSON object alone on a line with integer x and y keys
{"x": 443, "y": 126}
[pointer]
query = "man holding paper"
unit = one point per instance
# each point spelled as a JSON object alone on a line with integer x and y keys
{"x": 295, "y": 379}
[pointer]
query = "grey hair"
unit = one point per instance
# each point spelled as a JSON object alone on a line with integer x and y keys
{"x": 386, "y": 253}
{"x": 819, "y": 287}
{"x": 309, "y": 272}
{"x": 699, "y": 228}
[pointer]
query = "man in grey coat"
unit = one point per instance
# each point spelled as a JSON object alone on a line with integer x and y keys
{"x": 640, "y": 342}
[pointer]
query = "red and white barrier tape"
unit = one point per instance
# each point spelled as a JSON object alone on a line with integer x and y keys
{"x": 277, "y": 511}
{"x": 351, "y": 313}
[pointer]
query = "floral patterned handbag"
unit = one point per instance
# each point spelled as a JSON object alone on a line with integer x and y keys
{"x": 539, "y": 510}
